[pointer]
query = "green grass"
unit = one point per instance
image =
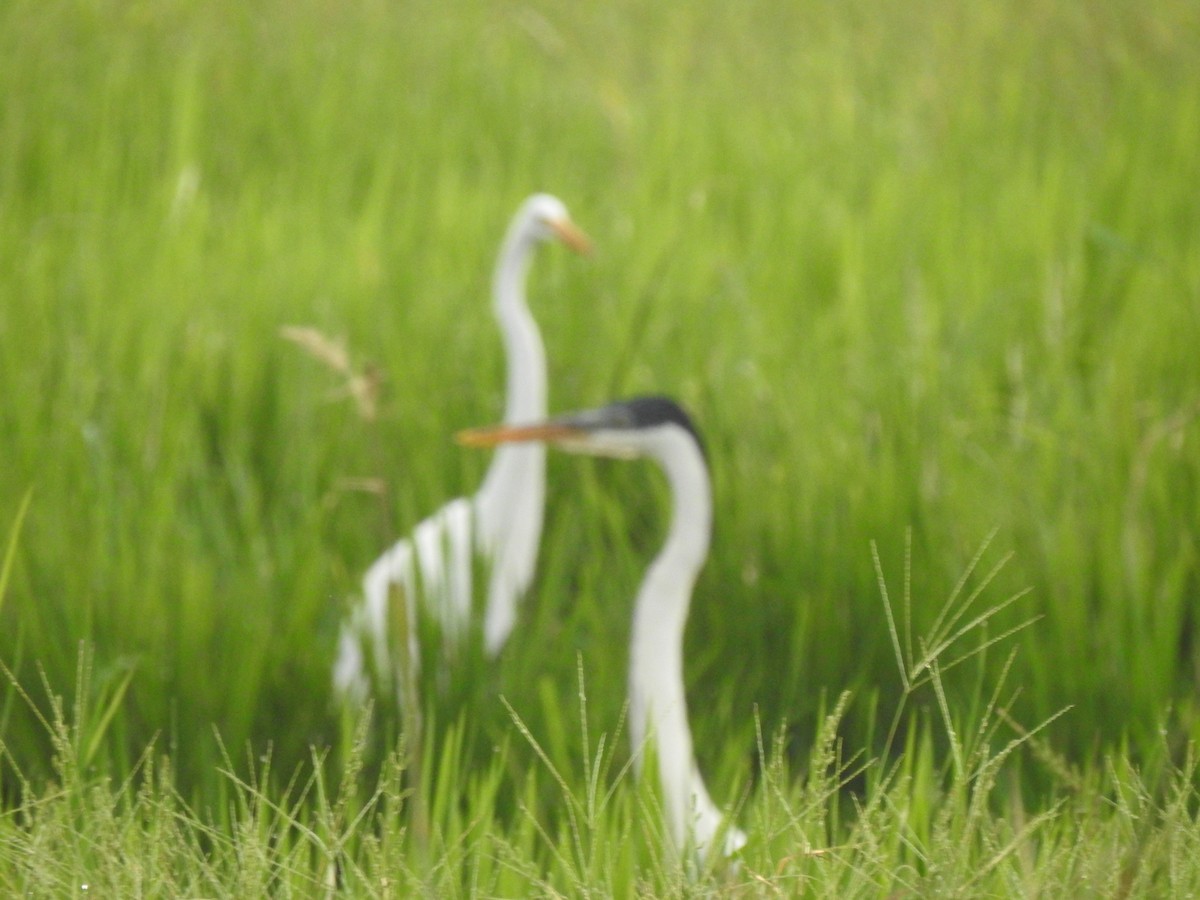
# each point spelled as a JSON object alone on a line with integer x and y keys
{"x": 923, "y": 274}
{"x": 845, "y": 826}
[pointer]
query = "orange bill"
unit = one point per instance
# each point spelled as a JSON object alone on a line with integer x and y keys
{"x": 492, "y": 435}
{"x": 571, "y": 235}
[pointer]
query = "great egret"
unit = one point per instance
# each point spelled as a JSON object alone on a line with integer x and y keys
{"x": 658, "y": 428}
{"x": 502, "y": 522}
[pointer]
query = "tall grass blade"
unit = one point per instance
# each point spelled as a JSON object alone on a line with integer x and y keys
{"x": 10, "y": 551}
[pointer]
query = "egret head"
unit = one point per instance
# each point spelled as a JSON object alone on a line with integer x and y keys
{"x": 544, "y": 217}
{"x": 626, "y": 429}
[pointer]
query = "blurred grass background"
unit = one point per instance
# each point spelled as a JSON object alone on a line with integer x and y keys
{"x": 927, "y": 270}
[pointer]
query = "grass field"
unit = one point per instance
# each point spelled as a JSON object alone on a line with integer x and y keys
{"x": 928, "y": 277}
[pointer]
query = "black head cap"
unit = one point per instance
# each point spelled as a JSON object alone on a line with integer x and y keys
{"x": 642, "y": 412}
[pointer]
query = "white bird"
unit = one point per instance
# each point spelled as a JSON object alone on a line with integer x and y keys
{"x": 502, "y": 522}
{"x": 658, "y": 428}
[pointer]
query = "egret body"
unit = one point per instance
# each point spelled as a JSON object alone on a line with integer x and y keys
{"x": 658, "y": 428}
{"x": 502, "y": 522}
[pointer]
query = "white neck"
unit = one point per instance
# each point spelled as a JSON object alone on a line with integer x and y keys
{"x": 509, "y": 504}
{"x": 657, "y": 702}
{"x": 526, "y": 376}
{"x": 515, "y": 465}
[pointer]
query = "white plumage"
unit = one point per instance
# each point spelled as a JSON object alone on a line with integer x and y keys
{"x": 502, "y": 522}
{"x": 654, "y": 427}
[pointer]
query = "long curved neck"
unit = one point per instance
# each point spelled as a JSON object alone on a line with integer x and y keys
{"x": 657, "y": 700}
{"x": 513, "y": 488}
{"x": 525, "y": 398}
{"x": 667, "y": 587}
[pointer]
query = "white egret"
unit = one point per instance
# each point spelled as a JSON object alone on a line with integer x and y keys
{"x": 658, "y": 428}
{"x": 502, "y": 522}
